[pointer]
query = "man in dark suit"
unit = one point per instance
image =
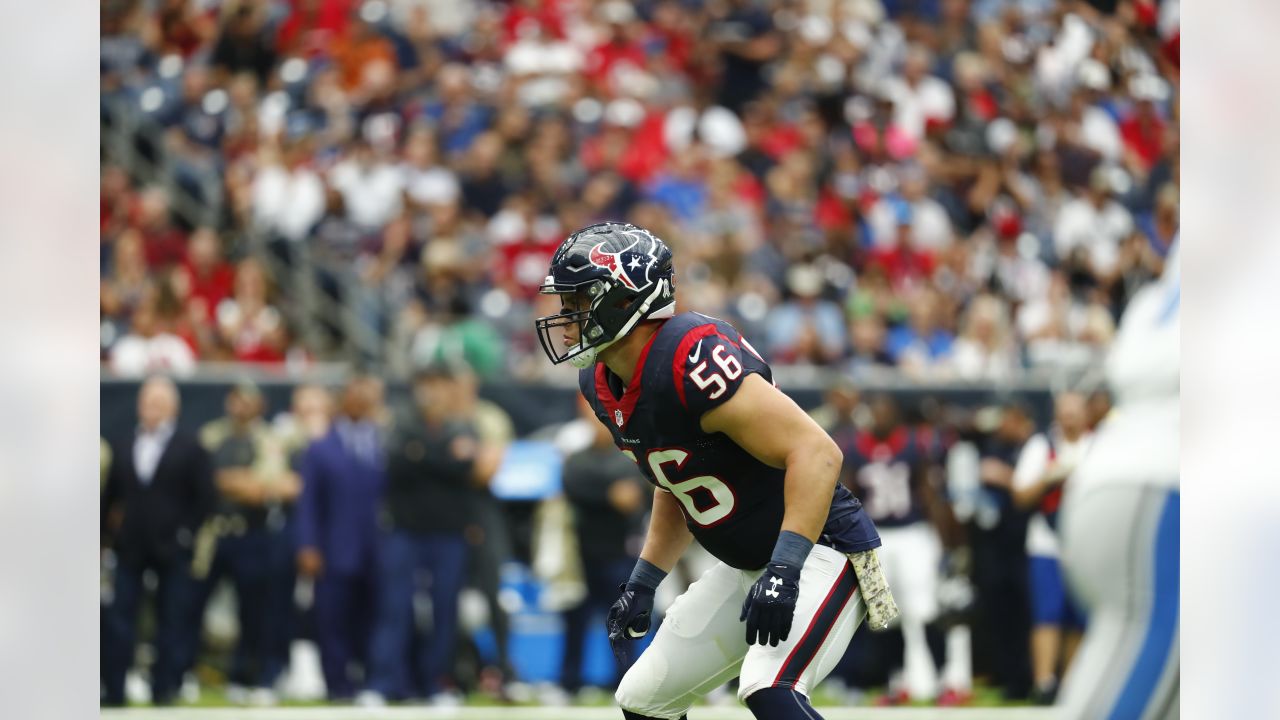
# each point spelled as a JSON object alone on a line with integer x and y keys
{"x": 337, "y": 519}
{"x": 159, "y": 489}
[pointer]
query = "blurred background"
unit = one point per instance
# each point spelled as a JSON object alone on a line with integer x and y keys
{"x": 326, "y": 221}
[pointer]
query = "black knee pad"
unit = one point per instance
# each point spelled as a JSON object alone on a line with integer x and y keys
{"x": 781, "y": 703}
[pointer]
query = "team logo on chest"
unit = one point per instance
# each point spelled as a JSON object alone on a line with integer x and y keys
{"x": 617, "y": 417}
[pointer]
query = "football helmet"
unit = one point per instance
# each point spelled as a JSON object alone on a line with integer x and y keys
{"x": 610, "y": 276}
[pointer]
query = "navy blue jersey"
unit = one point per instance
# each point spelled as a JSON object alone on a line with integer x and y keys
{"x": 886, "y": 473}
{"x": 732, "y": 502}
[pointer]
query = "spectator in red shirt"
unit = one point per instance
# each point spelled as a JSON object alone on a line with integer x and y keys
{"x": 114, "y": 200}
{"x": 621, "y": 47}
{"x": 876, "y": 132}
{"x": 523, "y": 252}
{"x": 209, "y": 278}
{"x": 183, "y": 28}
{"x": 312, "y": 26}
{"x": 629, "y": 142}
{"x": 902, "y": 262}
{"x": 248, "y": 324}
{"x": 544, "y": 14}
{"x": 164, "y": 244}
{"x": 670, "y": 33}
{"x": 1143, "y": 128}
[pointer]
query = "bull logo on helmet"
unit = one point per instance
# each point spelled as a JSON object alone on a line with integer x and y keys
{"x": 626, "y": 266}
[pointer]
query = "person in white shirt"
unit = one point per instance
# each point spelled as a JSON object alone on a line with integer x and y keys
{"x": 1094, "y": 223}
{"x": 985, "y": 349}
{"x": 1046, "y": 461}
{"x": 148, "y": 349}
{"x": 372, "y": 189}
{"x": 1098, "y": 130}
{"x": 1120, "y": 524}
{"x": 287, "y": 195}
{"x": 919, "y": 97}
{"x": 930, "y": 225}
{"x": 426, "y": 181}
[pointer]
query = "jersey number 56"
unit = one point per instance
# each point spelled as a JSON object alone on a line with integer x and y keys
{"x": 720, "y": 493}
{"x": 729, "y": 364}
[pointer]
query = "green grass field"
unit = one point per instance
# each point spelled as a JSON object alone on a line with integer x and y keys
{"x": 213, "y": 705}
{"x": 565, "y": 713}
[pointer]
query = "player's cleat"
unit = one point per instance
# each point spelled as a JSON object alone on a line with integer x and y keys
{"x": 893, "y": 699}
{"x": 954, "y": 698}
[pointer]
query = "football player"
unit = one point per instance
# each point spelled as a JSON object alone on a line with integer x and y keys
{"x": 886, "y": 467}
{"x": 737, "y": 465}
{"x": 1119, "y": 524}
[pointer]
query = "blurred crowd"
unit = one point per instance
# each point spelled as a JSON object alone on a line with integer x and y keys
{"x": 957, "y": 188}
{"x": 373, "y": 556}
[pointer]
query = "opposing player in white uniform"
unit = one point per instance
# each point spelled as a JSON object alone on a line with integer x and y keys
{"x": 1119, "y": 525}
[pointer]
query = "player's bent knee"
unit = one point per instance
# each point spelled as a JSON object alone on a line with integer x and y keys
{"x": 780, "y": 703}
{"x": 638, "y": 696}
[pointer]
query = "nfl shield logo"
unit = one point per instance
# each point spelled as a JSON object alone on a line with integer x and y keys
{"x": 617, "y": 417}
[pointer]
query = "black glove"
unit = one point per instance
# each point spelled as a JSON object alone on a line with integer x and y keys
{"x": 628, "y": 621}
{"x": 770, "y": 604}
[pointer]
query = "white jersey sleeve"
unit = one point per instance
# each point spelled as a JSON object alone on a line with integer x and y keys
{"x": 1145, "y": 358}
{"x": 1138, "y": 443}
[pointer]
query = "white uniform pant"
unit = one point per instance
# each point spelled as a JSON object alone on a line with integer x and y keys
{"x": 1120, "y": 553}
{"x": 702, "y": 644}
{"x": 912, "y": 557}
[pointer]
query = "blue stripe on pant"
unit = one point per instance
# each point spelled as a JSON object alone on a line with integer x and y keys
{"x": 1153, "y": 656}
{"x": 444, "y": 556}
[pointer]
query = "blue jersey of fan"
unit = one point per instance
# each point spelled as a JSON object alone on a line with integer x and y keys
{"x": 732, "y": 502}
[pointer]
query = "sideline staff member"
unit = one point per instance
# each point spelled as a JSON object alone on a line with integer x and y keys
{"x": 434, "y": 458}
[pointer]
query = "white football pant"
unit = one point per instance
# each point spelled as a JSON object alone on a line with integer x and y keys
{"x": 701, "y": 644}
{"x": 912, "y": 556}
